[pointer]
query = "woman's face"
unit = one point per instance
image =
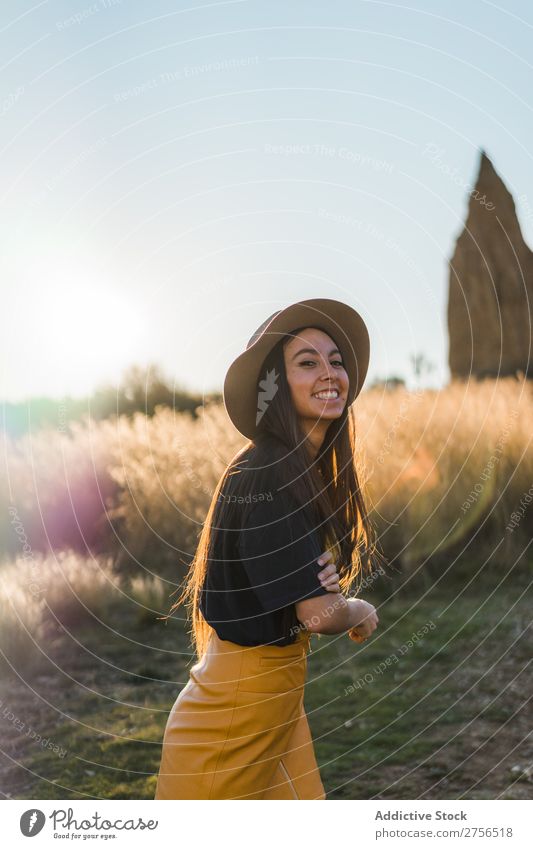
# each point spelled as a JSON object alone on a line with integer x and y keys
{"x": 314, "y": 366}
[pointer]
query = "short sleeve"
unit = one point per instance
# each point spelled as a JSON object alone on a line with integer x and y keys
{"x": 279, "y": 551}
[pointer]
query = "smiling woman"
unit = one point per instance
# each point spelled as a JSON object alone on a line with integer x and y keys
{"x": 238, "y": 730}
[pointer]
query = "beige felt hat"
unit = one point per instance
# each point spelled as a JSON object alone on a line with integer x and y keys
{"x": 340, "y": 321}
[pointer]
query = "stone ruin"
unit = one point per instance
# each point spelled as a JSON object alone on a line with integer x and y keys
{"x": 490, "y": 299}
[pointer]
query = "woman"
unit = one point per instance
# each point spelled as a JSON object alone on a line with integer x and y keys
{"x": 264, "y": 576}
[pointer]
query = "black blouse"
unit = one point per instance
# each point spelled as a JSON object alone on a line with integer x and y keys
{"x": 262, "y": 568}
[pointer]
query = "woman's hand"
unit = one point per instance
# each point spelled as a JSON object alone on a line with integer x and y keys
{"x": 328, "y": 576}
{"x": 367, "y": 622}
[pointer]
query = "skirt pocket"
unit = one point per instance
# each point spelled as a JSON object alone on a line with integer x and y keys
{"x": 274, "y": 675}
{"x": 280, "y": 662}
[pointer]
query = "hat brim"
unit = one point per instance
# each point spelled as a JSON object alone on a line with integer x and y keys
{"x": 340, "y": 321}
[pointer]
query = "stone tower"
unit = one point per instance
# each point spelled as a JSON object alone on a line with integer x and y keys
{"x": 490, "y": 298}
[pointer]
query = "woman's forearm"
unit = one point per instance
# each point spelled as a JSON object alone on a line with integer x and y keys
{"x": 334, "y": 615}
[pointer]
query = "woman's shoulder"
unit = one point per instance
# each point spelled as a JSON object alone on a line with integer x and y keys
{"x": 254, "y": 480}
{"x": 267, "y": 484}
{"x": 276, "y": 503}
{"x": 264, "y": 462}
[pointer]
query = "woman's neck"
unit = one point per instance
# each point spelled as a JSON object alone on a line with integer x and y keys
{"x": 314, "y": 436}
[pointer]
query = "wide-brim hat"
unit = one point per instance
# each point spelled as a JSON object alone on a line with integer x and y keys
{"x": 338, "y": 320}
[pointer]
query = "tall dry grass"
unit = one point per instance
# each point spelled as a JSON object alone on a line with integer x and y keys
{"x": 39, "y": 595}
{"x": 167, "y": 468}
{"x": 55, "y": 485}
{"x": 43, "y": 596}
{"x": 440, "y": 468}
{"x": 449, "y": 466}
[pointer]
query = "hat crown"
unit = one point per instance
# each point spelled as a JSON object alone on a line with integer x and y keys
{"x": 260, "y": 329}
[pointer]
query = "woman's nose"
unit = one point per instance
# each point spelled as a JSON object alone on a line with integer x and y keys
{"x": 327, "y": 370}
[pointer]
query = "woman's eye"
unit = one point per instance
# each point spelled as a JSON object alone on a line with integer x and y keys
{"x": 313, "y": 363}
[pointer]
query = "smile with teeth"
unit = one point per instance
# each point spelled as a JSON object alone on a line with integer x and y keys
{"x": 326, "y": 394}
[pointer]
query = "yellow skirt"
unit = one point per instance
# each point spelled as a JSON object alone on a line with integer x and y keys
{"x": 238, "y": 729}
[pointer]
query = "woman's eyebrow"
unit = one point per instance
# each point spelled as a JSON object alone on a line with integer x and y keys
{"x": 313, "y": 351}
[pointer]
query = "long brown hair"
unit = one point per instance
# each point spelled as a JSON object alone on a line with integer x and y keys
{"x": 329, "y": 486}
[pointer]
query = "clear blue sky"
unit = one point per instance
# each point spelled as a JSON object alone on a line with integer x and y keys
{"x": 172, "y": 176}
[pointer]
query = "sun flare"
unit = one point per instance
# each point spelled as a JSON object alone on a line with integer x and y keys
{"x": 85, "y": 328}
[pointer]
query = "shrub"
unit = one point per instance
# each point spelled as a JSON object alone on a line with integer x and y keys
{"x": 40, "y": 594}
